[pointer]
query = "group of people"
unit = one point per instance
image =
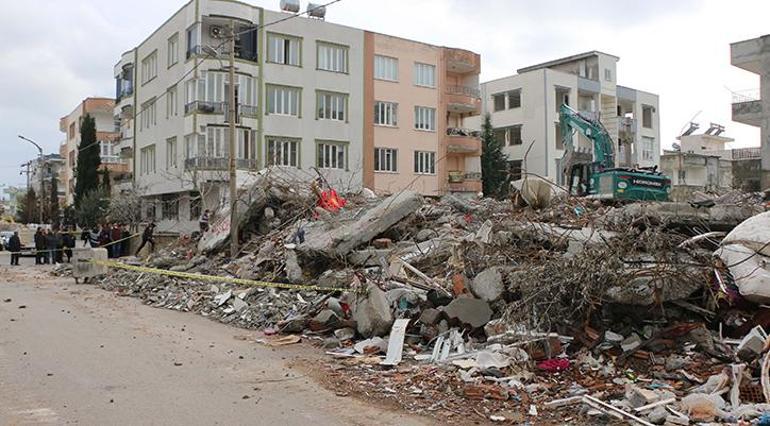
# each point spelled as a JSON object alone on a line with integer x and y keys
{"x": 114, "y": 237}
{"x": 51, "y": 246}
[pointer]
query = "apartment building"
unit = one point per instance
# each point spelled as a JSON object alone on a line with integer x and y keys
{"x": 101, "y": 109}
{"x": 42, "y": 171}
{"x": 363, "y": 109}
{"x": 524, "y": 109}
{"x": 752, "y": 107}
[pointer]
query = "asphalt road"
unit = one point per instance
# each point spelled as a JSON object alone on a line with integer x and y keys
{"x": 75, "y": 354}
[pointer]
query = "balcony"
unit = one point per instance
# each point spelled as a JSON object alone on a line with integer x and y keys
{"x": 205, "y": 107}
{"x": 747, "y": 107}
{"x": 463, "y": 99}
{"x": 464, "y": 182}
{"x": 463, "y": 141}
{"x": 218, "y": 163}
{"x": 462, "y": 61}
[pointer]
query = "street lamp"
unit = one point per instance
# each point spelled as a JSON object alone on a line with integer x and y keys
{"x": 42, "y": 176}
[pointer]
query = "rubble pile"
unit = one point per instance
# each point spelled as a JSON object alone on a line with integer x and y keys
{"x": 649, "y": 312}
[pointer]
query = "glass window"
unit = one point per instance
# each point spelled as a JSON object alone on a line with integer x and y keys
{"x": 514, "y": 99}
{"x": 385, "y": 160}
{"x": 424, "y": 118}
{"x": 499, "y": 102}
{"x": 283, "y": 100}
{"x": 282, "y": 152}
{"x": 147, "y": 160}
{"x": 172, "y": 102}
{"x": 385, "y": 113}
{"x": 425, "y": 162}
{"x": 514, "y": 135}
{"x": 171, "y": 153}
{"x": 648, "y": 147}
{"x": 332, "y": 106}
{"x": 173, "y": 49}
{"x": 332, "y": 57}
{"x": 332, "y": 156}
{"x": 424, "y": 75}
{"x": 647, "y": 117}
{"x": 283, "y": 49}
{"x": 150, "y": 67}
{"x": 385, "y": 68}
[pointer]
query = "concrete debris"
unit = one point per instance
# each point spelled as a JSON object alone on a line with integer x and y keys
{"x": 497, "y": 309}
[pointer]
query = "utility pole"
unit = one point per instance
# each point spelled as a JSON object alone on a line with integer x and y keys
{"x": 231, "y": 114}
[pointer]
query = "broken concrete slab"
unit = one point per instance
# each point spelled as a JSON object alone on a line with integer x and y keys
{"x": 371, "y": 312}
{"x": 252, "y": 199}
{"x": 293, "y": 270}
{"x": 466, "y": 310}
{"x": 336, "y": 279}
{"x": 430, "y": 316}
{"x": 717, "y": 218}
{"x": 325, "y": 319}
{"x": 488, "y": 284}
{"x": 745, "y": 250}
{"x": 343, "y": 239}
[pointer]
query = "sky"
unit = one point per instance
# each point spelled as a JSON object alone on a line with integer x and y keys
{"x": 57, "y": 53}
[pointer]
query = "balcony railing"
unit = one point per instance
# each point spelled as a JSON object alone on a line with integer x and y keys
{"x": 473, "y": 92}
{"x": 206, "y": 107}
{"x": 460, "y": 177}
{"x": 219, "y": 163}
{"x": 248, "y": 110}
{"x": 112, "y": 159}
{"x": 459, "y": 131}
{"x": 746, "y": 153}
{"x": 746, "y": 96}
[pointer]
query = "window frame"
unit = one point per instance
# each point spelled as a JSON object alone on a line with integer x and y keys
{"x": 298, "y": 90}
{"x": 320, "y": 95}
{"x": 418, "y": 69}
{"x": 389, "y": 109}
{"x": 384, "y": 78}
{"x": 287, "y": 140}
{"x": 509, "y": 132}
{"x": 346, "y": 56}
{"x": 379, "y": 156}
{"x": 418, "y": 116}
{"x": 496, "y": 96}
{"x": 145, "y": 154}
{"x": 172, "y": 151}
{"x": 649, "y": 108}
{"x": 270, "y": 36}
{"x": 172, "y": 101}
{"x": 172, "y": 50}
{"x": 345, "y": 145}
{"x": 508, "y": 98}
{"x": 419, "y": 160}
{"x": 149, "y": 65}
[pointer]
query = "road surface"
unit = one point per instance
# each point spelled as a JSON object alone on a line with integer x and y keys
{"x": 75, "y": 354}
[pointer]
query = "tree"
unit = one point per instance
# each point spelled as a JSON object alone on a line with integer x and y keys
{"x": 92, "y": 209}
{"x": 89, "y": 160}
{"x": 106, "y": 184}
{"x": 126, "y": 207}
{"x": 494, "y": 163}
{"x": 27, "y": 211}
{"x": 53, "y": 207}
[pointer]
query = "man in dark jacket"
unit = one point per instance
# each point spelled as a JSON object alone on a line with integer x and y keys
{"x": 114, "y": 247}
{"x": 14, "y": 246}
{"x": 125, "y": 245}
{"x": 52, "y": 243}
{"x": 147, "y": 237}
{"x": 40, "y": 243}
{"x": 68, "y": 241}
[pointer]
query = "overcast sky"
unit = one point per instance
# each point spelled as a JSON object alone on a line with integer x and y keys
{"x": 55, "y": 53}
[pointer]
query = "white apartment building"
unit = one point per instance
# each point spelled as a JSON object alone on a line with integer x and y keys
{"x": 298, "y": 105}
{"x": 524, "y": 109}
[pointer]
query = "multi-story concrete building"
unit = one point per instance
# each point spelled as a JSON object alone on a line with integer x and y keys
{"x": 101, "y": 109}
{"x": 525, "y": 112}
{"x": 363, "y": 109}
{"x": 753, "y": 107}
{"x": 42, "y": 171}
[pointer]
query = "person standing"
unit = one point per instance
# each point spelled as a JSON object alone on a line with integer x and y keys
{"x": 147, "y": 237}
{"x": 51, "y": 244}
{"x": 203, "y": 222}
{"x": 93, "y": 237}
{"x": 58, "y": 255}
{"x": 14, "y": 246}
{"x": 125, "y": 244}
{"x": 68, "y": 240}
{"x": 40, "y": 244}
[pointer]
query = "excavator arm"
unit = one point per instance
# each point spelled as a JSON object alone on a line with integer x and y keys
{"x": 570, "y": 121}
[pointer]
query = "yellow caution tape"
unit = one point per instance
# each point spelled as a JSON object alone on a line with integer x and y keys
{"x": 213, "y": 278}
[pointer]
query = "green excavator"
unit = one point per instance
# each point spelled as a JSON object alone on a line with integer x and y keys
{"x": 595, "y": 175}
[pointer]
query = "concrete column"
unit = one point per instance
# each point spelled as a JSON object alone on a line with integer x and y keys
{"x": 764, "y": 90}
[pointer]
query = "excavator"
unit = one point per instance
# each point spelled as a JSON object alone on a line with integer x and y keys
{"x": 595, "y": 176}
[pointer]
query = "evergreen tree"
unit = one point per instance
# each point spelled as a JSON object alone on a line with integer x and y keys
{"x": 27, "y": 211}
{"x": 89, "y": 160}
{"x": 106, "y": 186}
{"x": 53, "y": 207}
{"x": 494, "y": 162}
{"x": 92, "y": 209}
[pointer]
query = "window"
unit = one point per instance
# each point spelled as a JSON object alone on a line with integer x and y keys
{"x": 105, "y": 149}
{"x": 150, "y": 67}
{"x": 332, "y": 106}
{"x": 425, "y": 162}
{"x": 501, "y": 136}
{"x": 173, "y": 49}
{"x": 196, "y": 208}
{"x": 332, "y": 57}
{"x": 190, "y": 146}
{"x": 217, "y": 142}
{"x": 147, "y": 160}
{"x": 514, "y": 169}
{"x": 385, "y": 160}
{"x": 332, "y": 155}
{"x": 514, "y": 135}
{"x": 149, "y": 211}
{"x": 282, "y": 49}
{"x": 282, "y": 152}
{"x": 148, "y": 115}
{"x": 424, "y": 75}
{"x": 648, "y": 147}
{"x": 607, "y": 74}
{"x": 172, "y": 102}
{"x": 385, "y": 113}
{"x": 283, "y": 100}
{"x": 193, "y": 33}
{"x": 171, "y": 153}
{"x": 425, "y": 118}
{"x": 499, "y": 102}
{"x": 514, "y": 99}
{"x": 385, "y": 68}
{"x": 170, "y": 207}
{"x": 647, "y": 116}
{"x": 72, "y": 131}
